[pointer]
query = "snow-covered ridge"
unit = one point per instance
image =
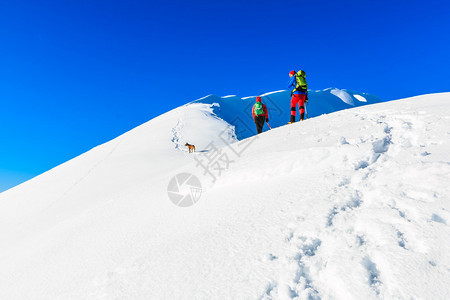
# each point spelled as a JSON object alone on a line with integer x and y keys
{"x": 353, "y": 204}
{"x": 237, "y": 111}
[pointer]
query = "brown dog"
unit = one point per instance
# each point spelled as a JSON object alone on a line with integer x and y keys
{"x": 190, "y": 147}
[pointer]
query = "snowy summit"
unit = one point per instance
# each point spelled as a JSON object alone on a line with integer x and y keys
{"x": 352, "y": 203}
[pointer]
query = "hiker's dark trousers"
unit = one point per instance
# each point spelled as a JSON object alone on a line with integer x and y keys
{"x": 259, "y": 121}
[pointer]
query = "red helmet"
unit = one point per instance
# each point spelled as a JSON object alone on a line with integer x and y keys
{"x": 258, "y": 99}
{"x": 292, "y": 73}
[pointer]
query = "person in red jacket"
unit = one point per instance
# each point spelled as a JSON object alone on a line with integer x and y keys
{"x": 260, "y": 115}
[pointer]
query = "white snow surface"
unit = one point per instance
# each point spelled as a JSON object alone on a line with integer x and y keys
{"x": 360, "y": 98}
{"x": 350, "y": 205}
{"x": 343, "y": 95}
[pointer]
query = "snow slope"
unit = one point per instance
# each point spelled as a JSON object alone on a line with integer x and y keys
{"x": 349, "y": 205}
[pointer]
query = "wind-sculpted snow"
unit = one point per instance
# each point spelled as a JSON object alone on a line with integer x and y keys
{"x": 353, "y": 204}
{"x": 238, "y": 111}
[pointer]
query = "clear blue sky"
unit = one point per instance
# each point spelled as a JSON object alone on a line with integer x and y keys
{"x": 75, "y": 74}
